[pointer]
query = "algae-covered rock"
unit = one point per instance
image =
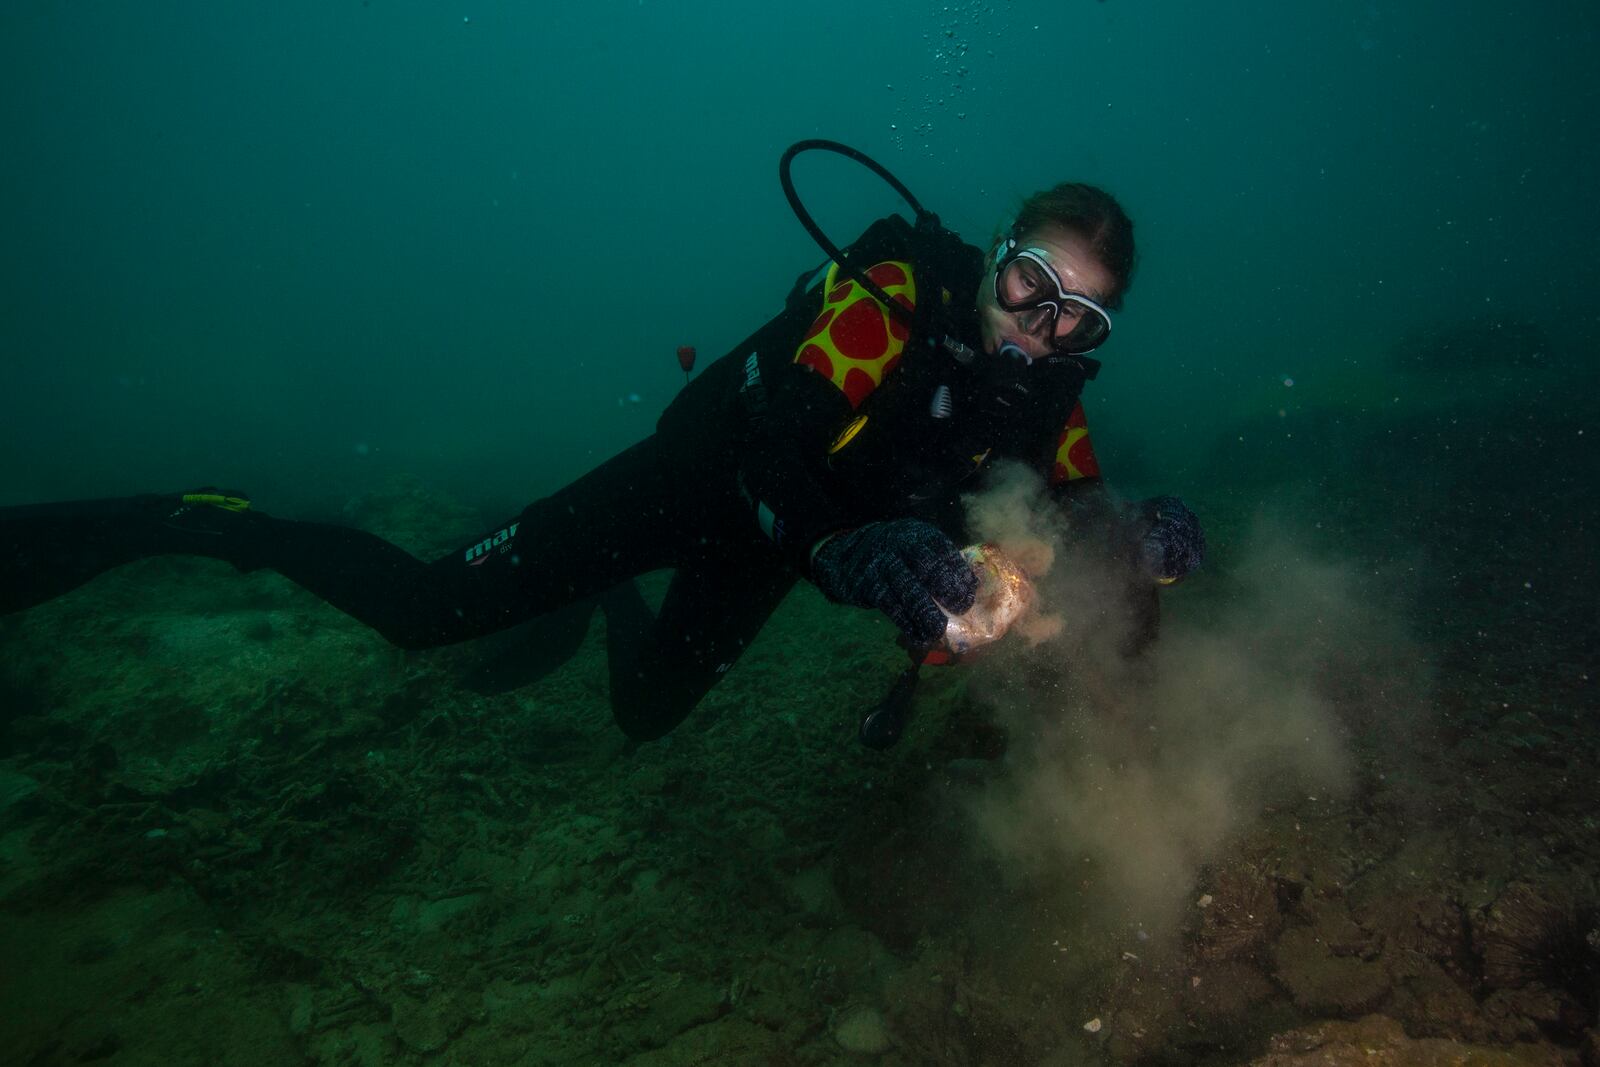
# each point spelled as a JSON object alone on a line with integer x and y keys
{"x": 727, "y": 1043}
{"x": 811, "y": 891}
{"x": 1376, "y": 1041}
{"x": 665, "y": 1005}
{"x": 1324, "y": 983}
{"x": 1422, "y": 924}
{"x": 435, "y": 914}
{"x": 404, "y": 511}
{"x": 302, "y": 1008}
{"x": 1432, "y": 1003}
{"x": 854, "y": 954}
{"x": 361, "y": 1045}
{"x": 1224, "y": 997}
{"x": 15, "y": 787}
{"x": 862, "y": 1029}
{"x": 419, "y": 1025}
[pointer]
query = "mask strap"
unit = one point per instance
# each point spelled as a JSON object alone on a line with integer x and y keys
{"x": 1008, "y": 241}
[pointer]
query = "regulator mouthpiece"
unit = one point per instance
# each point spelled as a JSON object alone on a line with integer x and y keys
{"x": 1014, "y": 351}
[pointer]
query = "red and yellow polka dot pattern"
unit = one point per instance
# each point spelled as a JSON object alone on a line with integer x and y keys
{"x": 854, "y": 341}
{"x": 1074, "y": 452}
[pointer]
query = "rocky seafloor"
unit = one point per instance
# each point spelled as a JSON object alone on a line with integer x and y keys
{"x": 236, "y": 827}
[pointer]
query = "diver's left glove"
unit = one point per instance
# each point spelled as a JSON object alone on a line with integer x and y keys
{"x": 1170, "y": 543}
{"x": 906, "y": 568}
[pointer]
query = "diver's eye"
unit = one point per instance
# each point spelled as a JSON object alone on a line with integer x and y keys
{"x": 1022, "y": 282}
{"x": 1028, "y": 279}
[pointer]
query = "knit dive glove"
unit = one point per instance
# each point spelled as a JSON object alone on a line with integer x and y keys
{"x": 1170, "y": 541}
{"x": 906, "y": 568}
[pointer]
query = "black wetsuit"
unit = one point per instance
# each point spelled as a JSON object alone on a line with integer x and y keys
{"x": 730, "y": 492}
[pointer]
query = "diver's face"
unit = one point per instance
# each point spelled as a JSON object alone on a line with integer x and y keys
{"x": 1079, "y": 271}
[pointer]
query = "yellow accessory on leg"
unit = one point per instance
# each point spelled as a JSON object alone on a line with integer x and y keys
{"x": 218, "y": 500}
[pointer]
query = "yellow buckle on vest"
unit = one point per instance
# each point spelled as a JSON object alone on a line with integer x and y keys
{"x": 847, "y": 434}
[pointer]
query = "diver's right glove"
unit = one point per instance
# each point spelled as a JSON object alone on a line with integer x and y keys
{"x": 906, "y": 568}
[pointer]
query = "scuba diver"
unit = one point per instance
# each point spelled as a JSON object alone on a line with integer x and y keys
{"x": 830, "y": 445}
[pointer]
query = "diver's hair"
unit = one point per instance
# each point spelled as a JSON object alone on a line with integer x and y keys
{"x": 1095, "y": 216}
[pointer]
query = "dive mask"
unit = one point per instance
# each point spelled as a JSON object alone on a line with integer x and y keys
{"x": 1026, "y": 285}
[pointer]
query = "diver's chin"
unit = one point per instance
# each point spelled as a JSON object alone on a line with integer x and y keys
{"x": 994, "y": 342}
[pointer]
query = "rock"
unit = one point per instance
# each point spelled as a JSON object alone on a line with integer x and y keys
{"x": 1323, "y": 983}
{"x": 302, "y": 1011}
{"x": 811, "y": 891}
{"x": 726, "y": 1043}
{"x": 418, "y": 1026}
{"x": 93, "y": 1044}
{"x": 434, "y": 914}
{"x": 1225, "y": 996}
{"x": 360, "y": 1045}
{"x": 853, "y": 953}
{"x": 1422, "y": 924}
{"x": 678, "y": 1005}
{"x": 1343, "y": 936}
{"x": 1432, "y": 1003}
{"x": 862, "y": 1030}
{"x": 1517, "y": 1014}
{"x": 15, "y": 788}
{"x": 1590, "y": 1049}
{"x": 1376, "y": 1041}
